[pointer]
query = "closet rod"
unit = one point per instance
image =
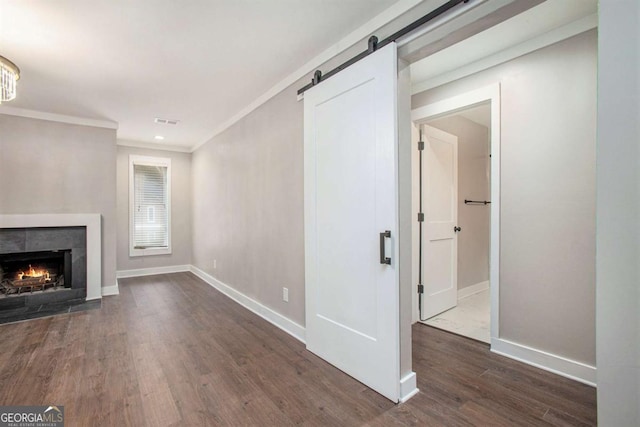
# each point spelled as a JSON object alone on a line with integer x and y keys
{"x": 374, "y": 44}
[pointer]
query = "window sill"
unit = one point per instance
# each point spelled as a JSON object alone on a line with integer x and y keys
{"x": 149, "y": 252}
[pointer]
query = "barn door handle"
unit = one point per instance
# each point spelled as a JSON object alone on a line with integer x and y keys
{"x": 383, "y": 258}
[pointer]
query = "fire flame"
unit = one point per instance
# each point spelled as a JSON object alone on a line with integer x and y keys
{"x": 33, "y": 273}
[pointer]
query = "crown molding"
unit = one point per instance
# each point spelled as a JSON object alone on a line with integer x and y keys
{"x": 547, "y": 39}
{"x": 153, "y": 146}
{"x": 61, "y": 118}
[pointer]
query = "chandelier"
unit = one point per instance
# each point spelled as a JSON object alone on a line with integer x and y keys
{"x": 9, "y": 75}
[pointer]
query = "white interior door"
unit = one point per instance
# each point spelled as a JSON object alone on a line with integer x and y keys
{"x": 350, "y": 169}
{"x": 440, "y": 191}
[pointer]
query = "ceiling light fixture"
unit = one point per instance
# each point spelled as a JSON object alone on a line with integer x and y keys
{"x": 159, "y": 137}
{"x": 9, "y": 75}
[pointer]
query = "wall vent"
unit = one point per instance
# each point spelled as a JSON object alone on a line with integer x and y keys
{"x": 166, "y": 121}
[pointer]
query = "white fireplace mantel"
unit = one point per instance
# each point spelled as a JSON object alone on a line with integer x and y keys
{"x": 94, "y": 236}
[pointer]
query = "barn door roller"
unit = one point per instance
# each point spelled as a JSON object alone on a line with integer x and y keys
{"x": 374, "y": 44}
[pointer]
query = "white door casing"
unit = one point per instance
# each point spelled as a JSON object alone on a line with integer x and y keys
{"x": 350, "y": 169}
{"x": 490, "y": 93}
{"x": 440, "y": 190}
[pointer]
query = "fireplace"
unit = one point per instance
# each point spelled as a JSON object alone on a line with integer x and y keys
{"x": 55, "y": 232}
{"x": 43, "y": 270}
{"x": 34, "y": 272}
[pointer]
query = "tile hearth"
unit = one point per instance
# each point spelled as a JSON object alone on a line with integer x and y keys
{"x": 51, "y": 309}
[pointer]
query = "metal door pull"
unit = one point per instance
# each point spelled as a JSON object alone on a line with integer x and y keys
{"x": 383, "y": 258}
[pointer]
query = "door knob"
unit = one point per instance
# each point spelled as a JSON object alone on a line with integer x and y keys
{"x": 456, "y": 229}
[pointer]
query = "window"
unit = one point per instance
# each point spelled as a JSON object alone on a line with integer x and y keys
{"x": 149, "y": 206}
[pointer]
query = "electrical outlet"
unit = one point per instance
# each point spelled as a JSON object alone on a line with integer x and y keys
{"x": 285, "y": 294}
{"x": 215, "y": 264}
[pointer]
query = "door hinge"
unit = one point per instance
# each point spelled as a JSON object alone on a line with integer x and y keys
{"x": 420, "y": 145}
{"x": 420, "y": 217}
{"x": 421, "y": 289}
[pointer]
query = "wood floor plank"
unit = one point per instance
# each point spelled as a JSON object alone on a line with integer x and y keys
{"x": 171, "y": 350}
{"x": 558, "y": 418}
{"x": 549, "y": 396}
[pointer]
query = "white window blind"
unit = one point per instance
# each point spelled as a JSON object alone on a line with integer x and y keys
{"x": 150, "y": 206}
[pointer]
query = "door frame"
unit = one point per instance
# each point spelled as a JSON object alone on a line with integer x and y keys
{"x": 447, "y": 106}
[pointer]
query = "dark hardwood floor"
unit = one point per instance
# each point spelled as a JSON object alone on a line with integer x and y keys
{"x": 171, "y": 350}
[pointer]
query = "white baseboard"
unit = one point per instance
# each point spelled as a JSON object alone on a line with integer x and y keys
{"x": 473, "y": 289}
{"x": 287, "y": 325}
{"x": 562, "y": 366}
{"x": 152, "y": 270}
{"x": 110, "y": 290}
{"x": 408, "y": 387}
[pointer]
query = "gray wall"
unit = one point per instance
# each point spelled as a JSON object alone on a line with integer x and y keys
{"x": 618, "y": 209}
{"x": 49, "y": 167}
{"x": 180, "y": 210}
{"x": 473, "y": 183}
{"x": 547, "y": 244}
{"x": 248, "y": 206}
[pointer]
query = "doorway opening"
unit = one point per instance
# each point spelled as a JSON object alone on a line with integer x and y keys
{"x": 468, "y": 310}
{"x": 456, "y": 254}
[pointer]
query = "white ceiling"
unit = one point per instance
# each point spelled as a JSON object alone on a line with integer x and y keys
{"x": 480, "y": 114}
{"x": 534, "y": 22}
{"x": 197, "y": 61}
{"x": 202, "y": 61}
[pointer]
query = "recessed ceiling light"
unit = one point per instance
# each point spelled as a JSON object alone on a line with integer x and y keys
{"x": 159, "y": 137}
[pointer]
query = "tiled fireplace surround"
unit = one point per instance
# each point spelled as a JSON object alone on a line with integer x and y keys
{"x": 36, "y": 239}
{"x": 79, "y": 232}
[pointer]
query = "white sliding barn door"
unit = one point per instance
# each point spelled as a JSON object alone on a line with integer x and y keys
{"x": 350, "y": 169}
{"x": 440, "y": 190}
